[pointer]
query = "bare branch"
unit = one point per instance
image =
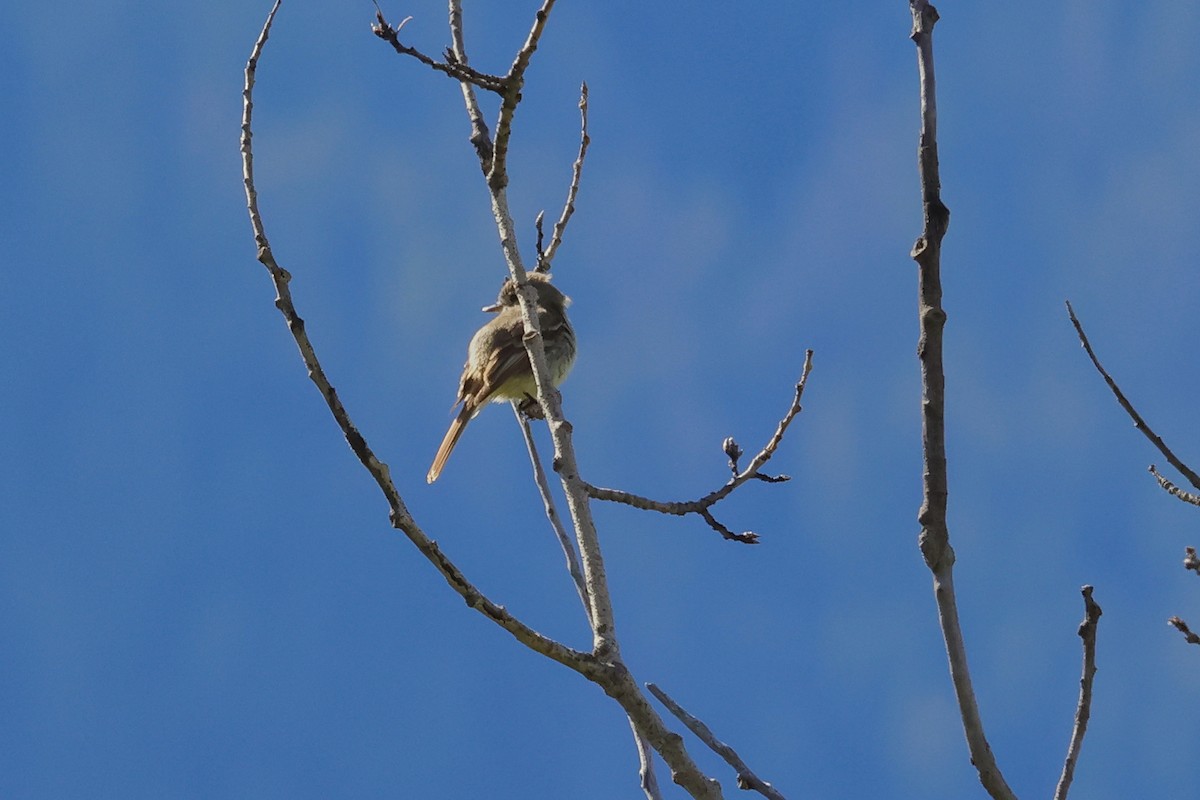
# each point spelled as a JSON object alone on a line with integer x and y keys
{"x": 935, "y": 535}
{"x": 451, "y": 66}
{"x": 400, "y": 517}
{"x": 544, "y": 258}
{"x": 1138, "y": 422}
{"x": 603, "y": 666}
{"x": 739, "y": 477}
{"x": 481, "y": 139}
{"x": 1083, "y": 710}
{"x": 646, "y": 776}
{"x": 746, "y": 779}
{"x": 514, "y": 81}
{"x": 1172, "y": 489}
{"x": 1183, "y": 628}
{"x": 564, "y": 540}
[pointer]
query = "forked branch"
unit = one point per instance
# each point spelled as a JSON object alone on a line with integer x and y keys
{"x": 740, "y": 476}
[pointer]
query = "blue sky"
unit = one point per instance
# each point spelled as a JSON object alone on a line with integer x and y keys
{"x": 200, "y": 593}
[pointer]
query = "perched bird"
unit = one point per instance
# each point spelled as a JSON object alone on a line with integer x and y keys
{"x": 497, "y": 365}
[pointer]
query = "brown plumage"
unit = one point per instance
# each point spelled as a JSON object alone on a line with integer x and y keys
{"x": 497, "y": 365}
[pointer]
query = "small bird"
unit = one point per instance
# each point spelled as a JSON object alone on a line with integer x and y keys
{"x": 498, "y": 367}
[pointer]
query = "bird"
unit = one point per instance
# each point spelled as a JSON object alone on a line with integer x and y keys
{"x": 498, "y": 366}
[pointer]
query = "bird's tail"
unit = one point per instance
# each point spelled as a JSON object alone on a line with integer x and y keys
{"x": 452, "y": 436}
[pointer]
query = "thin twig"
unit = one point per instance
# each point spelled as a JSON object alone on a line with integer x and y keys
{"x": 400, "y": 517}
{"x": 739, "y": 477}
{"x": 746, "y": 779}
{"x": 544, "y": 258}
{"x": 1138, "y": 422}
{"x": 646, "y": 776}
{"x": 935, "y": 535}
{"x": 539, "y": 247}
{"x": 1183, "y": 628}
{"x": 564, "y": 540}
{"x": 454, "y": 68}
{"x": 1083, "y": 710}
{"x": 1174, "y": 490}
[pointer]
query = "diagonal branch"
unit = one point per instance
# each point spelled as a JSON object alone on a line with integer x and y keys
{"x": 1138, "y": 422}
{"x": 547, "y": 256}
{"x": 746, "y": 779}
{"x": 935, "y": 535}
{"x": 400, "y": 516}
{"x": 564, "y": 541}
{"x": 452, "y": 66}
{"x": 1181, "y": 626}
{"x": 1083, "y": 710}
{"x": 646, "y": 776}
{"x": 739, "y": 477}
{"x": 1174, "y": 490}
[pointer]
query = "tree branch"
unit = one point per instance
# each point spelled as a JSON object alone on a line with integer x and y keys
{"x": 1138, "y": 422}
{"x": 514, "y": 81}
{"x": 746, "y": 779}
{"x": 547, "y": 256}
{"x": 1083, "y": 710}
{"x": 646, "y": 776}
{"x": 564, "y": 540}
{"x": 935, "y": 535}
{"x": 451, "y": 66}
{"x": 740, "y": 476}
{"x": 1183, "y": 628}
{"x": 480, "y": 138}
{"x": 399, "y": 514}
{"x": 1172, "y": 489}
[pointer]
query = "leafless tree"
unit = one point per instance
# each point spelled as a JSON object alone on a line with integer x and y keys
{"x": 603, "y": 664}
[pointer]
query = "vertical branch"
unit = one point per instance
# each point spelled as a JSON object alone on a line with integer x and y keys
{"x": 514, "y": 81}
{"x": 935, "y": 535}
{"x": 481, "y": 139}
{"x": 1083, "y": 710}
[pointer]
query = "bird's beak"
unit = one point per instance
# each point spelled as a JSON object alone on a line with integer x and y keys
{"x": 493, "y": 308}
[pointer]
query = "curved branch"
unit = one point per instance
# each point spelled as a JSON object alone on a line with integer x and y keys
{"x": 740, "y": 476}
